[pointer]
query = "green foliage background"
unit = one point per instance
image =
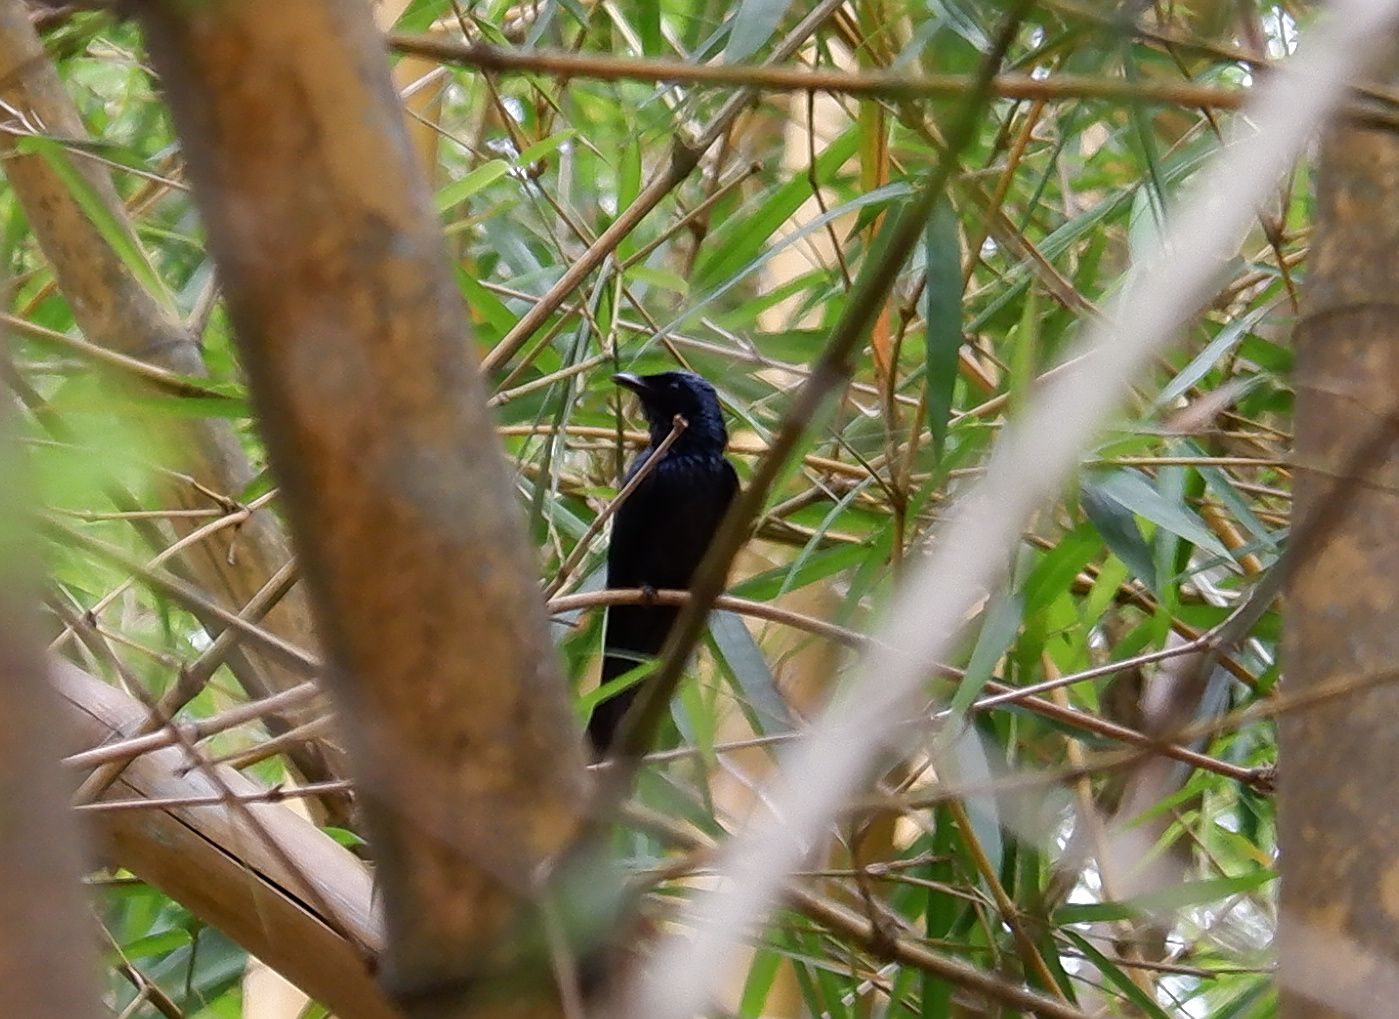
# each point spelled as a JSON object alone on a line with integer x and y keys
{"x": 1047, "y": 207}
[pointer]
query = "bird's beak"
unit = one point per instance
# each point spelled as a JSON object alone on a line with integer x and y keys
{"x": 633, "y": 382}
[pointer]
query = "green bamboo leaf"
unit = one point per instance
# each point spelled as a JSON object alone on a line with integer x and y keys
{"x": 258, "y": 485}
{"x": 584, "y": 705}
{"x": 646, "y": 15}
{"x": 1057, "y": 568}
{"x": 1024, "y": 355}
{"x": 234, "y": 408}
{"x": 798, "y": 346}
{"x": 628, "y": 187}
{"x": 344, "y": 836}
{"x": 629, "y": 174}
{"x": 820, "y": 531}
{"x": 478, "y": 179}
{"x": 1223, "y": 487}
{"x": 804, "y": 965}
{"x": 833, "y": 991}
{"x": 1081, "y": 227}
{"x": 1224, "y": 341}
{"x": 741, "y": 657}
{"x": 692, "y": 711}
{"x": 819, "y": 565}
{"x": 1116, "y": 977}
{"x": 747, "y": 231}
{"x": 1001, "y": 622}
{"x": 941, "y": 911}
{"x": 489, "y": 311}
{"x": 1146, "y": 141}
{"x": 1165, "y": 900}
{"x": 575, "y": 10}
{"x": 1271, "y": 357}
{"x": 960, "y": 22}
{"x": 969, "y": 764}
{"x": 1172, "y": 555}
{"x": 546, "y": 147}
{"x": 155, "y": 944}
{"x": 1263, "y": 991}
{"x": 420, "y": 15}
{"x": 762, "y": 973}
{"x": 663, "y": 279}
{"x": 1111, "y": 575}
{"x": 884, "y": 197}
{"x": 1130, "y": 489}
{"x": 943, "y": 310}
{"x": 1118, "y": 526}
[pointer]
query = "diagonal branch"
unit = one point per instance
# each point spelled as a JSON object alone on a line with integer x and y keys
{"x": 891, "y": 85}
{"x": 119, "y": 306}
{"x": 467, "y": 760}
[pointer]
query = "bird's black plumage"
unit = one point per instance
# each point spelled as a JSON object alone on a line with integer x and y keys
{"x": 662, "y": 530}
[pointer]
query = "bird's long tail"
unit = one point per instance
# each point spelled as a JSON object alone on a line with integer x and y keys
{"x": 633, "y": 633}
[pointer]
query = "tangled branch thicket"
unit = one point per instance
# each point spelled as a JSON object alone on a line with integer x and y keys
{"x": 1085, "y": 821}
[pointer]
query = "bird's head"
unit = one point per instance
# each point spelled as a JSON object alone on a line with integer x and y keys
{"x": 670, "y": 393}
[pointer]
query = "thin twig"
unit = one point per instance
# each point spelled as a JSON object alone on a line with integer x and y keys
{"x": 580, "y": 550}
{"x": 684, "y": 157}
{"x": 187, "y": 595}
{"x": 891, "y": 85}
{"x": 196, "y": 730}
{"x": 276, "y": 794}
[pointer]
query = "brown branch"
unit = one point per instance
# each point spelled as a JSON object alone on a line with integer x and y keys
{"x": 118, "y": 311}
{"x": 291, "y": 657}
{"x": 241, "y": 759}
{"x": 891, "y": 85}
{"x": 1026, "y": 697}
{"x": 468, "y": 761}
{"x": 1262, "y": 780}
{"x": 195, "y": 761}
{"x": 158, "y": 378}
{"x": 276, "y": 794}
{"x": 744, "y": 446}
{"x": 146, "y": 989}
{"x": 1342, "y": 592}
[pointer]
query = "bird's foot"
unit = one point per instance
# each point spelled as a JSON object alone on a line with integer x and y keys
{"x": 648, "y": 594}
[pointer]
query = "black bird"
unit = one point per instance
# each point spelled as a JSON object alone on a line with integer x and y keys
{"x": 662, "y": 530}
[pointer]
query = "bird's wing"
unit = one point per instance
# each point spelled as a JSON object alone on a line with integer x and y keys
{"x": 729, "y": 482}
{"x": 636, "y": 529}
{"x": 659, "y": 536}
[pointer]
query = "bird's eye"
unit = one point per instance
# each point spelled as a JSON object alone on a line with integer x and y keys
{"x": 675, "y": 387}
